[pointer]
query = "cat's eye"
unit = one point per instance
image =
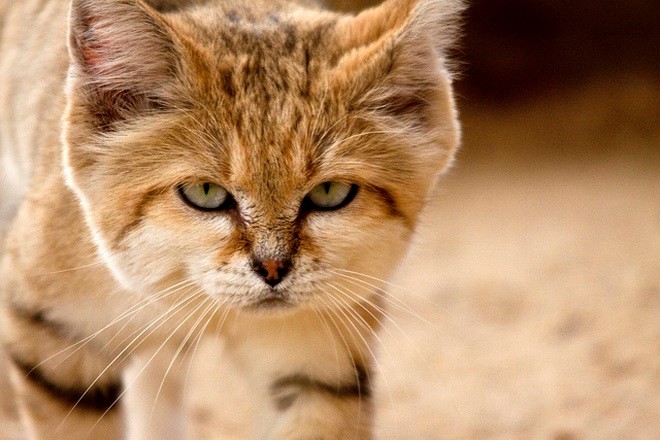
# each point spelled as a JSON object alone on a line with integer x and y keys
{"x": 330, "y": 196}
{"x": 206, "y": 196}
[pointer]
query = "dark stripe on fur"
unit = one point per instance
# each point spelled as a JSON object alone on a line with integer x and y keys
{"x": 286, "y": 389}
{"x": 172, "y": 5}
{"x": 392, "y": 207}
{"x": 99, "y": 398}
{"x": 40, "y": 319}
{"x": 138, "y": 214}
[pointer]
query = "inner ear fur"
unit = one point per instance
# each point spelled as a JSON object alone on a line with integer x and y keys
{"x": 123, "y": 57}
{"x": 394, "y": 60}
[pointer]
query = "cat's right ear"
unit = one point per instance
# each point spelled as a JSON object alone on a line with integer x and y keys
{"x": 122, "y": 58}
{"x": 395, "y": 74}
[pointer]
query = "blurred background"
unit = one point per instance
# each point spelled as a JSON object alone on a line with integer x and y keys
{"x": 564, "y": 57}
{"x": 534, "y": 284}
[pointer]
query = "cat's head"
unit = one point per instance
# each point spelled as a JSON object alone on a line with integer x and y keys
{"x": 269, "y": 155}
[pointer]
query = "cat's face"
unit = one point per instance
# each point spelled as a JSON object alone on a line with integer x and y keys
{"x": 267, "y": 158}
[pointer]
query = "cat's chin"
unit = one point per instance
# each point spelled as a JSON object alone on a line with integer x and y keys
{"x": 271, "y": 306}
{"x": 272, "y": 303}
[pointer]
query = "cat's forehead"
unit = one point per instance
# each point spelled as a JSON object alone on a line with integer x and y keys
{"x": 265, "y": 73}
{"x": 234, "y": 30}
{"x": 266, "y": 92}
{"x": 268, "y": 150}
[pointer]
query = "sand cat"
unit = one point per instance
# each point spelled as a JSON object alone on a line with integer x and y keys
{"x": 251, "y": 171}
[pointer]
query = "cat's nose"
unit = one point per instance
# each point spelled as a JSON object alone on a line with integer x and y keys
{"x": 271, "y": 270}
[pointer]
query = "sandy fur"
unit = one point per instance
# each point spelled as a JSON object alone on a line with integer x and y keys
{"x": 109, "y": 278}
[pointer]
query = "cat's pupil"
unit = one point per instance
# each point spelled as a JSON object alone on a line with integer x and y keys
{"x": 207, "y": 188}
{"x": 327, "y": 186}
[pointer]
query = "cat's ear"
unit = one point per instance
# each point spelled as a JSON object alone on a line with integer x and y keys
{"x": 395, "y": 62}
{"x": 122, "y": 58}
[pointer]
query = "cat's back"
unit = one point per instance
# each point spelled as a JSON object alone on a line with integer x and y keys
{"x": 33, "y": 63}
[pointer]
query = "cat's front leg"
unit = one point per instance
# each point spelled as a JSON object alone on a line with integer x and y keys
{"x": 152, "y": 402}
{"x": 308, "y": 407}
{"x": 313, "y": 412}
{"x": 65, "y": 389}
{"x": 311, "y": 375}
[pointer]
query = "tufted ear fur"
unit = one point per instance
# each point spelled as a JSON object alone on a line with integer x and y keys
{"x": 122, "y": 59}
{"x": 395, "y": 67}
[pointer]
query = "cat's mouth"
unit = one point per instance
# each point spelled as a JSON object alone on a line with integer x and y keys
{"x": 272, "y": 301}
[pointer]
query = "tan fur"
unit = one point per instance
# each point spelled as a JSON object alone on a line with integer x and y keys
{"x": 266, "y": 99}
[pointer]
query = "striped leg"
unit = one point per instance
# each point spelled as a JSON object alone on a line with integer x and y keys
{"x": 61, "y": 394}
{"x": 311, "y": 409}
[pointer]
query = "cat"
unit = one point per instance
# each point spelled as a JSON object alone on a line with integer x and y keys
{"x": 249, "y": 172}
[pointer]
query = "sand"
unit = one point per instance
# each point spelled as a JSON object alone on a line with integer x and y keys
{"x": 538, "y": 302}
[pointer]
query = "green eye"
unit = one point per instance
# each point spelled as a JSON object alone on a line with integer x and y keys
{"x": 331, "y": 196}
{"x": 205, "y": 196}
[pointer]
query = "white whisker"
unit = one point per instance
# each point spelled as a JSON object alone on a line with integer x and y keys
{"x": 72, "y": 269}
{"x": 130, "y": 313}
{"x": 331, "y": 315}
{"x": 118, "y": 356}
{"x": 153, "y": 356}
{"x": 182, "y": 344}
{"x": 345, "y": 308}
{"x": 395, "y": 302}
{"x": 393, "y": 322}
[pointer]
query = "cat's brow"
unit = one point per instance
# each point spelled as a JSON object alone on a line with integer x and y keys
{"x": 392, "y": 206}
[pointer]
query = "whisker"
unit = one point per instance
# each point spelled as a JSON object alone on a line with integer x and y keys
{"x": 331, "y": 316}
{"x": 328, "y": 333}
{"x": 395, "y": 302}
{"x": 182, "y": 344}
{"x": 343, "y": 310}
{"x": 160, "y": 320}
{"x": 72, "y": 269}
{"x": 80, "y": 344}
{"x": 117, "y": 357}
{"x": 153, "y": 356}
{"x": 382, "y": 294}
{"x": 151, "y": 299}
{"x": 403, "y": 332}
{"x": 141, "y": 305}
{"x": 225, "y": 313}
{"x": 355, "y": 274}
{"x": 211, "y": 311}
{"x": 360, "y": 304}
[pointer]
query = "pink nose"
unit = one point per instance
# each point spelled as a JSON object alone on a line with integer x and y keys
{"x": 271, "y": 270}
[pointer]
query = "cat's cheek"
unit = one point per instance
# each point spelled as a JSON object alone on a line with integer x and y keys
{"x": 217, "y": 282}
{"x": 352, "y": 239}
{"x": 357, "y": 253}
{"x": 381, "y": 251}
{"x": 146, "y": 260}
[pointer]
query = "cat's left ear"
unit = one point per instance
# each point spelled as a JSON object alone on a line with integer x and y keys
{"x": 122, "y": 58}
{"x": 394, "y": 65}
